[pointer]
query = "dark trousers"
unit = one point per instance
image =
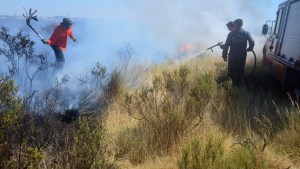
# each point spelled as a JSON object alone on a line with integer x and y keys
{"x": 60, "y": 59}
{"x": 236, "y": 66}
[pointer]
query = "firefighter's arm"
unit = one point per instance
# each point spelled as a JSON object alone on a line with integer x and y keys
{"x": 70, "y": 33}
{"x": 54, "y": 36}
{"x": 224, "y": 53}
{"x": 225, "y": 48}
{"x": 73, "y": 38}
{"x": 251, "y": 42}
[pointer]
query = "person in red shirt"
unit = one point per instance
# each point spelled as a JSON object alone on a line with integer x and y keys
{"x": 58, "y": 42}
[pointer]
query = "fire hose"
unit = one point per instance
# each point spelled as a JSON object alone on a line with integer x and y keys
{"x": 254, "y": 66}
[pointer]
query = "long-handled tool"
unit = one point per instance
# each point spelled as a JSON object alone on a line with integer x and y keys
{"x": 29, "y": 16}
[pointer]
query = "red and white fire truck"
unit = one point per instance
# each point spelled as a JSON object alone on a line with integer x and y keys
{"x": 281, "y": 52}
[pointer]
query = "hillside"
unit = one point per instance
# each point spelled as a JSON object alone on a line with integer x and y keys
{"x": 187, "y": 116}
{"x": 183, "y": 115}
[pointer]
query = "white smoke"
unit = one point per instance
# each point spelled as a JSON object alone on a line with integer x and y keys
{"x": 200, "y": 22}
{"x": 155, "y": 29}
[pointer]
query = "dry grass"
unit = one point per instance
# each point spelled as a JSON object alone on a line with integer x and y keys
{"x": 240, "y": 127}
{"x": 158, "y": 163}
{"x": 183, "y": 116}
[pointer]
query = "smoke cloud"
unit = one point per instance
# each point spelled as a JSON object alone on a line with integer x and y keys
{"x": 154, "y": 30}
{"x": 199, "y": 22}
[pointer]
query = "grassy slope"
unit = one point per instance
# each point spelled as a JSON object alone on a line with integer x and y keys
{"x": 235, "y": 134}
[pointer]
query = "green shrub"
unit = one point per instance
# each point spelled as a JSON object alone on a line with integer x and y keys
{"x": 209, "y": 154}
{"x": 90, "y": 148}
{"x": 10, "y": 107}
{"x": 172, "y": 106}
{"x": 34, "y": 157}
{"x": 244, "y": 157}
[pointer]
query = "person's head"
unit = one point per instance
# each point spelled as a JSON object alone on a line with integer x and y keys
{"x": 238, "y": 23}
{"x": 230, "y": 26}
{"x": 67, "y": 22}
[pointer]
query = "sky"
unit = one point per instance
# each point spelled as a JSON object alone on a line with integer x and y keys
{"x": 114, "y": 9}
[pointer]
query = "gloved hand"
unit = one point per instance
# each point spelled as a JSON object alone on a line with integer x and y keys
{"x": 224, "y": 58}
{"x": 45, "y": 41}
{"x": 249, "y": 49}
{"x": 222, "y": 46}
{"x": 74, "y": 39}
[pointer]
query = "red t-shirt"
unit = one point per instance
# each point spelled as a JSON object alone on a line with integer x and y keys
{"x": 60, "y": 36}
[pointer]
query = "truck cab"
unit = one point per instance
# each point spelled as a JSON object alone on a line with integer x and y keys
{"x": 281, "y": 52}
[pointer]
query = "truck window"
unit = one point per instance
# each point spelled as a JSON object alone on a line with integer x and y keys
{"x": 278, "y": 21}
{"x": 290, "y": 37}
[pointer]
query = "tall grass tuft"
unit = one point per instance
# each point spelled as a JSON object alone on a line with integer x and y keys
{"x": 172, "y": 106}
{"x": 210, "y": 154}
{"x": 287, "y": 141}
{"x": 238, "y": 109}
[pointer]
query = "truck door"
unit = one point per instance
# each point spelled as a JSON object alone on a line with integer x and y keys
{"x": 277, "y": 68}
{"x": 291, "y": 35}
{"x": 276, "y": 36}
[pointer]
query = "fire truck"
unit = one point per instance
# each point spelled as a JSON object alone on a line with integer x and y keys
{"x": 281, "y": 52}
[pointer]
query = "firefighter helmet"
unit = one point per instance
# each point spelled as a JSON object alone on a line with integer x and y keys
{"x": 67, "y": 22}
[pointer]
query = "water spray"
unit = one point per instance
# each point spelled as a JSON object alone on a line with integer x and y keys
{"x": 210, "y": 48}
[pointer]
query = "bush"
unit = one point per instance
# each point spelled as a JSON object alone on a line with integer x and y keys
{"x": 28, "y": 139}
{"x": 244, "y": 157}
{"x": 23, "y": 62}
{"x": 210, "y": 154}
{"x": 10, "y": 107}
{"x": 172, "y": 106}
{"x": 23, "y": 138}
{"x": 90, "y": 149}
{"x": 33, "y": 130}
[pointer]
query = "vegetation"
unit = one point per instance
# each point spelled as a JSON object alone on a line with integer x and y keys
{"x": 211, "y": 155}
{"x": 188, "y": 116}
{"x": 167, "y": 110}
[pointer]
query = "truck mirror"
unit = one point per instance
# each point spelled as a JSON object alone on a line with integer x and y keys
{"x": 265, "y": 29}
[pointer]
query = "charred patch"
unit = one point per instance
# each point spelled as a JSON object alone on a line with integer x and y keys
{"x": 69, "y": 115}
